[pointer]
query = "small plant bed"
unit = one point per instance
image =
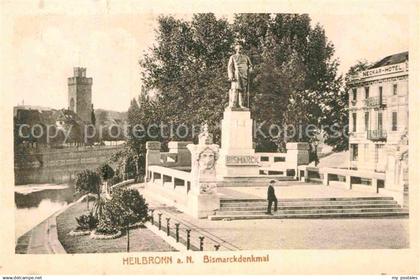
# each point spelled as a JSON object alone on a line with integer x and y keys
{"x": 141, "y": 239}
{"x": 104, "y": 236}
{"x": 86, "y": 224}
{"x": 78, "y": 232}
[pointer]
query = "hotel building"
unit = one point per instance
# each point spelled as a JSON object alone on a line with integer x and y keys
{"x": 378, "y": 111}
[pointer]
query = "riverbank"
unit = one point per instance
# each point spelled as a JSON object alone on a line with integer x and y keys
{"x": 43, "y": 238}
{"x": 31, "y": 188}
{"x": 35, "y": 203}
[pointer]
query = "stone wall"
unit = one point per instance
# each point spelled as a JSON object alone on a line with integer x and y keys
{"x": 59, "y": 165}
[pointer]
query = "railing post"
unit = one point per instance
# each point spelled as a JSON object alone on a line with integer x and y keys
{"x": 375, "y": 184}
{"x": 160, "y": 220}
{"x": 348, "y": 182}
{"x": 188, "y": 238}
{"x": 326, "y": 179}
{"x": 167, "y": 226}
{"x": 201, "y": 243}
{"x": 177, "y": 232}
{"x": 162, "y": 179}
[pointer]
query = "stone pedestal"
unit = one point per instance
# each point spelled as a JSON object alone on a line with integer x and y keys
{"x": 237, "y": 154}
{"x": 396, "y": 172}
{"x": 203, "y": 199}
{"x": 203, "y": 205}
{"x": 297, "y": 154}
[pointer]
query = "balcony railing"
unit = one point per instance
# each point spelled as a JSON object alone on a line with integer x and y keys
{"x": 376, "y": 135}
{"x": 375, "y": 102}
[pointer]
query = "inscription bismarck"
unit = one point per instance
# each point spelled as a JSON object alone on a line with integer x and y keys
{"x": 241, "y": 160}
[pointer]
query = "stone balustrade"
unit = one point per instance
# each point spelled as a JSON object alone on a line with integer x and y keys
{"x": 272, "y": 163}
{"x": 359, "y": 180}
{"x": 169, "y": 177}
{"x": 284, "y": 163}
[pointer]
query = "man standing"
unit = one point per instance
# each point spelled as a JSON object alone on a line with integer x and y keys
{"x": 238, "y": 72}
{"x": 271, "y": 197}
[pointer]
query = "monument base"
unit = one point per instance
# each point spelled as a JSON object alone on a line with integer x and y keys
{"x": 237, "y": 154}
{"x": 203, "y": 205}
{"x": 244, "y": 165}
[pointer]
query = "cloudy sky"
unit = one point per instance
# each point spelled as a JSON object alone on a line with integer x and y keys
{"x": 46, "y": 48}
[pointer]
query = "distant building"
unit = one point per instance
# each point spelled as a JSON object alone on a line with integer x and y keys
{"x": 378, "y": 108}
{"x": 80, "y": 94}
{"x": 41, "y": 117}
{"x": 77, "y": 116}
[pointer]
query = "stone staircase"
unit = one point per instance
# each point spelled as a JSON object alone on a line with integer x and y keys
{"x": 345, "y": 207}
{"x": 260, "y": 181}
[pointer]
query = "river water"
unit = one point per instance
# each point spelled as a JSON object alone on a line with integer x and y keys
{"x": 35, "y": 203}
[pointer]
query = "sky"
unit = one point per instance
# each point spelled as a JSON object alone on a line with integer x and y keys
{"x": 47, "y": 47}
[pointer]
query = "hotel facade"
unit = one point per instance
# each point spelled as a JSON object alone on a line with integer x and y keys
{"x": 378, "y": 112}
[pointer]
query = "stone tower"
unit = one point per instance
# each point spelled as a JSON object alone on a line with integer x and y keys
{"x": 80, "y": 94}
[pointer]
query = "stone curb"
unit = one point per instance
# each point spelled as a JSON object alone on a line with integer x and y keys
{"x": 53, "y": 242}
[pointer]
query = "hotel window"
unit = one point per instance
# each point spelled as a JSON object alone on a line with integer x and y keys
{"x": 354, "y": 121}
{"x": 395, "y": 89}
{"x": 354, "y": 151}
{"x": 380, "y": 95}
{"x": 394, "y": 121}
{"x": 366, "y": 92}
{"x": 366, "y": 121}
{"x": 378, "y": 151}
{"x": 355, "y": 94}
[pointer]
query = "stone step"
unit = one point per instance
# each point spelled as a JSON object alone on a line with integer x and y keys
{"x": 307, "y": 207}
{"x": 224, "y": 200}
{"x": 310, "y": 216}
{"x": 312, "y": 211}
{"x": 254, "y": 182}
{"x": 258, "y": 179}
{"x": 308, "y": 203}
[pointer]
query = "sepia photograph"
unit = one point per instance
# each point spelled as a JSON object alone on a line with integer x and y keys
{"x": 228, "y": 134}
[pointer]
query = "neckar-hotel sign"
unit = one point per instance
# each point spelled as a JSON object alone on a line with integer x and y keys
{"x": 390, "y": 69}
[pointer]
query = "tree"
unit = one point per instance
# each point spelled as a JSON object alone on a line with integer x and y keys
{"x": 294, "y": 78}
{"x": 294, "y": 72}
{"x": 125, "y": 208}
{"x": 88, "y": 181}
{"x": 106, "y": 172}
{"x": 187, "y": 72}
{"x": 130, "y": 161}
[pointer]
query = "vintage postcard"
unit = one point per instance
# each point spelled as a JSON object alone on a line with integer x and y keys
{"x": 209, "y": 137}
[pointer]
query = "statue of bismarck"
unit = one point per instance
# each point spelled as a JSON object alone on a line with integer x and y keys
{"x": 239, "y": 68}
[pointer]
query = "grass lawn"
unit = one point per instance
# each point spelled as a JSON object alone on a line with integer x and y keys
{"x": 22, "y": 243}
{"x": 141, "y": 239}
